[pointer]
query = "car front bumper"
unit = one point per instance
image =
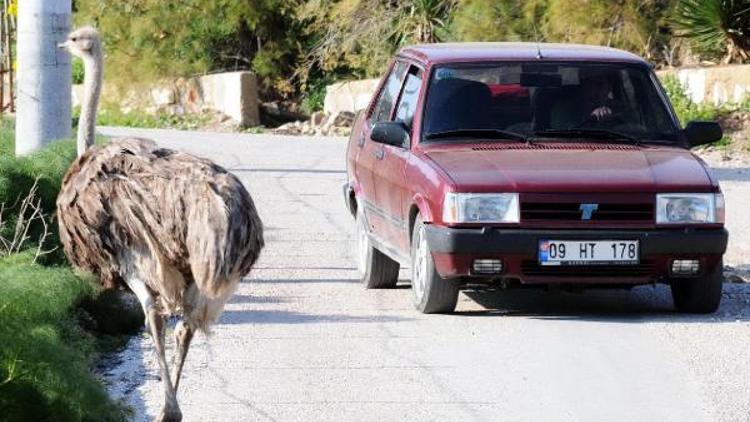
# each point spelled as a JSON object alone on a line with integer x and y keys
{"x": 455, "y": 249}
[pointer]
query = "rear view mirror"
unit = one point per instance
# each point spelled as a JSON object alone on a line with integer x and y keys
{"x": 391, "y": 133}
{"x": 542, "y": 80}
{"x": 701, "y": 133}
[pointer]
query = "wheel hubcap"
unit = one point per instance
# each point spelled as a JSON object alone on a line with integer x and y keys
{"x": 419, "y": 281}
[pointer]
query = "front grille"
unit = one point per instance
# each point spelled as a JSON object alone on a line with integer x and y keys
{"x": 571, "y": 211}
{"x": 532, "y": 268}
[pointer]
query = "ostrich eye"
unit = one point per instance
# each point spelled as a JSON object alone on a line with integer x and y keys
{"x": 73, "y": 39}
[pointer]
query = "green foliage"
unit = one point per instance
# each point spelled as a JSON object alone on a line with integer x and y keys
{"x": 78, "y": 71}
{"x": 48, "y": 314}
{"x": 359, "y": 37}
{"x": 291, "y": 44}
{"x": 154, "y": 39}
{"x": 490, "y": 20}
{"x": 717, "y": 28}
{"x": 45, "y": 355}
{"x": 17, "y": 175}
{"x": 687, "y": 110}
{"x": 313, "y": 98}
{"x": 683, "y": 105}
{"x": 114, "y": 117}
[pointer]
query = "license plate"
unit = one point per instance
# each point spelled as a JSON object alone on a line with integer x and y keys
{"x": 588, "y": 252}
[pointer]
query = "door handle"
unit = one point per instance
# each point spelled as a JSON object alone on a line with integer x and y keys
{"x": 379, "y": 154}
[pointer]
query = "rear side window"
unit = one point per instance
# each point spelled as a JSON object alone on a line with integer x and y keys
{"x": 384, "y": 105}
{"x": 409, "y": 96}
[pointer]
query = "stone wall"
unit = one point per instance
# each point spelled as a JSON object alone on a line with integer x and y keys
{"x": 350, "y": 96}
{"x": 716, "y": 84}
{"x": 234, "y": 94}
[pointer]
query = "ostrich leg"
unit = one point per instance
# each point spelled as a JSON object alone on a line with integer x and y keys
{"x": 171, "y": 410}
{"x": 183, "y": 334}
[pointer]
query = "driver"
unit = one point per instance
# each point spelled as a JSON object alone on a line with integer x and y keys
{"x": 597, "y": 94}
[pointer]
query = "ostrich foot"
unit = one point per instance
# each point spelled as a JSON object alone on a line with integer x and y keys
{"x": 170, "y": 413}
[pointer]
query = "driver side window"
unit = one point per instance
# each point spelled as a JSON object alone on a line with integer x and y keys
{"x": 383, "y": 107}
{"x": 407, "y": 103}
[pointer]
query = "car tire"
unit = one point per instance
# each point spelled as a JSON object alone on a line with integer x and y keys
{"x": 699, "y": 295}
{"x": 376, "y": 270}
{"x": 432, "y": 294}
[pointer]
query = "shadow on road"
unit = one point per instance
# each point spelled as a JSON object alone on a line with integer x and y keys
{"x": 298, "y": 280}
{"x": 256, "y": 316}
{"x": 297, "y": 170}
{"x": 642, "y": 304}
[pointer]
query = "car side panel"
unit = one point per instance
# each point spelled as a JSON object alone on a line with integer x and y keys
{"x": 392, "y": 189}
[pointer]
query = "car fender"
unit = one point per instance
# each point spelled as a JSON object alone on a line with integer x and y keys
{"x": 423, "y": 207}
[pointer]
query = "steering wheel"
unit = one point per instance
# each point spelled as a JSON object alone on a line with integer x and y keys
{"x": 591, "y": 120}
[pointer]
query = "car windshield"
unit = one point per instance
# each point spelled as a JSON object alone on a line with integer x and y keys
{"x": 547, "y": 100}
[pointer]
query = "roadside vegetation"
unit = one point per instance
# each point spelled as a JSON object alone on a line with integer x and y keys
{"x": 112, "y": 115}
{"x": 733, "y": 117}
{"x": 298, "y": 46}
{"x": 54, "y": 323}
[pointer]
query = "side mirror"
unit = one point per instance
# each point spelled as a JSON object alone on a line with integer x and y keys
{"x": 390, "y": 133}
{"x": 701, "y": 133}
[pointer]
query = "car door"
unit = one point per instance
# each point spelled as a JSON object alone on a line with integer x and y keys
{"x": 392, "y": 187}
{"x": 371, "y": 155}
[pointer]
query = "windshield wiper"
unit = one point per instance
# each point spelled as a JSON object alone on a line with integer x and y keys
{"x": 586, "y": 133}
{"x": 478, "y": 133}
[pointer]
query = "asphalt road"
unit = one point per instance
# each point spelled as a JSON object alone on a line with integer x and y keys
{"x": 303, "y": 341}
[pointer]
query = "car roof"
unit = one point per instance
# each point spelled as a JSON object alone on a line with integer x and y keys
{"x": 499, "y": 51}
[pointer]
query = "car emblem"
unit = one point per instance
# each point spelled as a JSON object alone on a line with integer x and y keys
{"x": 587, "y": 210}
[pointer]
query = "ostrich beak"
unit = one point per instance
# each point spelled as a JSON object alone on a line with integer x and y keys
{"x": 63, "y": 45}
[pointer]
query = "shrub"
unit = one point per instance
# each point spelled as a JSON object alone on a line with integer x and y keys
{"x": 46, "y": 168}
{"x": 315, "y": 95}
{"x": 48, "y": 314}
{"x": 684, "y": 106}
{"x": 45, "y": 355}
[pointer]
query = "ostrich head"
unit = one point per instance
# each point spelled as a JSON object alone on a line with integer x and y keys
{"x": 86, "y": 44}
{"x": 83, "y": 42}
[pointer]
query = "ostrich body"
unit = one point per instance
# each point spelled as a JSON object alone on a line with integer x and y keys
{"x": 178, "y": 230}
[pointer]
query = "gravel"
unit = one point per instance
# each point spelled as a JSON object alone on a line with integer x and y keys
{"x": 303, "y": 341}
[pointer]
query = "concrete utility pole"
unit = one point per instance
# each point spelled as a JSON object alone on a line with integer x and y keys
{"x": 43, "y": 110}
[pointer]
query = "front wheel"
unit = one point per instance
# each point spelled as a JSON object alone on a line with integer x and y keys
{"x": 432, "y": 294}
{"x": 376, "y": 270}
{"x": 699, "y": 295}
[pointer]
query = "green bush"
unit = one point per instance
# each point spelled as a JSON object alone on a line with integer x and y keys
{"x": 46, "y": 167}
{"x": 315, "y": 95}
{"x": 45, "y": 355}
{"x": 48, "y": 314}
{"x": 685, "y": 108}
{"x": 112, "y": 116}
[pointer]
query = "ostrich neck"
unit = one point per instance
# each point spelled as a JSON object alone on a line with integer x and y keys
{"x": 92, "y": 88}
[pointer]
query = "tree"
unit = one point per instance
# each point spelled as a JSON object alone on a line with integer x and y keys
{"x": 151, "y": 39}
{"x": 716, "y": 28}
{"x": 492, "y": 20}
{"x": 360, "y": 36}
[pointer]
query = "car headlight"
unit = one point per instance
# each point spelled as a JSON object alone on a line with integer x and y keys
{"x": 689, "y": 208}
{"x": 481, "y": 208}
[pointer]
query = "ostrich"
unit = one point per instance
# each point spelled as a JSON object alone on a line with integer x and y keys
{"x": 177, "y": 230}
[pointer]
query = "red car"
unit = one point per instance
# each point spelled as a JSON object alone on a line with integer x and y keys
{"x": 517, "y": 164}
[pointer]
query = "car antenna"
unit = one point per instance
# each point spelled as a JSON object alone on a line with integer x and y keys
{"x": 539, "y": 55}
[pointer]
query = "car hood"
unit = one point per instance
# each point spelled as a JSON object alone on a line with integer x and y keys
{"x": 571, "y": 167}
